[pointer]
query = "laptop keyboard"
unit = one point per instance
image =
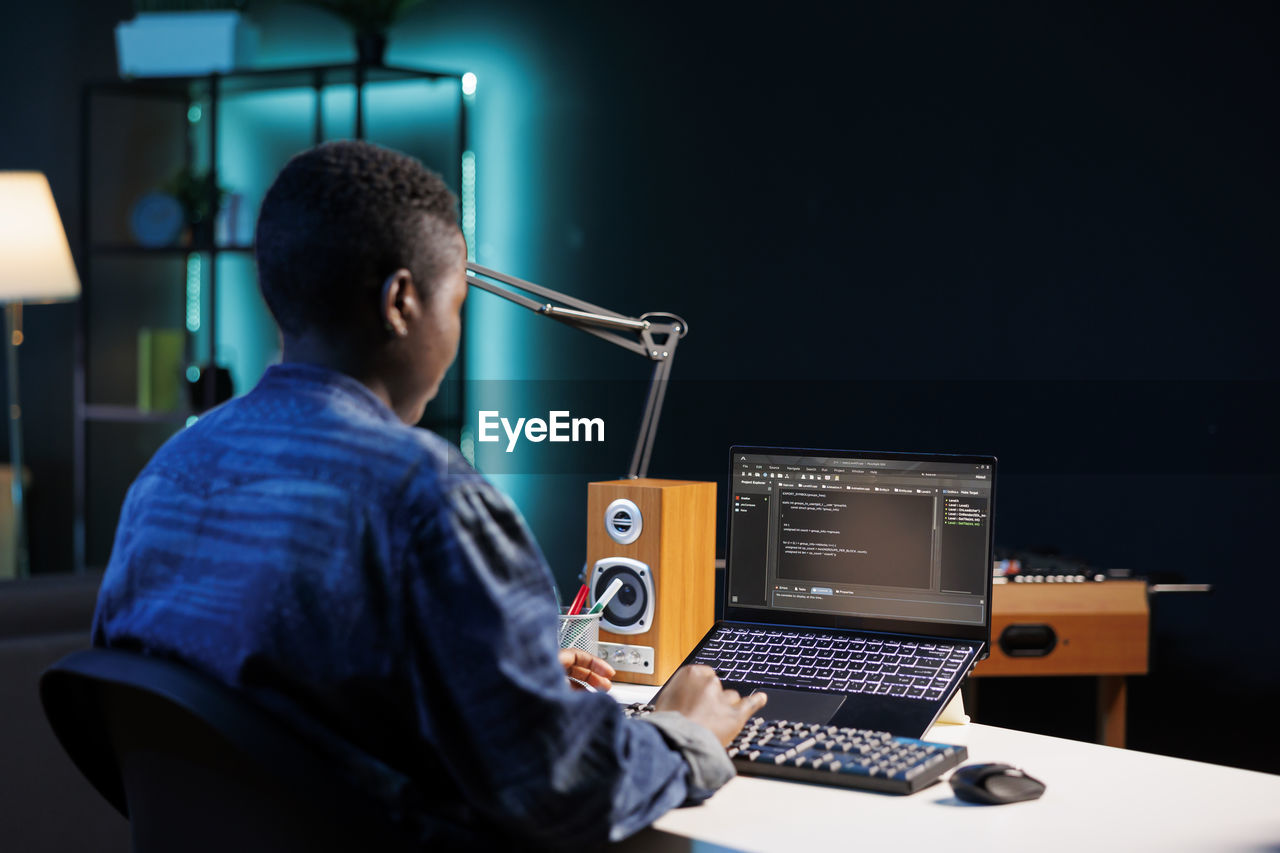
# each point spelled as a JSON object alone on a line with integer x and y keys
{"x": 836, "y": 663}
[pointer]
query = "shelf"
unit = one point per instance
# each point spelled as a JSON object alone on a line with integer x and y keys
{"x": 261, "y": 79}
{"x": 131, "y": 249}
{"x": 131, "y": 415}
{"x": 120, "y": 437}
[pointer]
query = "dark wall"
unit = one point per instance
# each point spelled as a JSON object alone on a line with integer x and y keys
{"x": 1049, "y": 233}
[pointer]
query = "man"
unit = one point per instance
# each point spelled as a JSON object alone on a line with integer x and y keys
{"x": 307, "y": 545}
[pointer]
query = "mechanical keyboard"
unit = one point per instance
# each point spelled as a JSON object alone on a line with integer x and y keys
{"x": 834, "y": 663}
{"x": 828, "y": 755}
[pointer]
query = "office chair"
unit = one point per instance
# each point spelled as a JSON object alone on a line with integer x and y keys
{"x": 196, "y": 767}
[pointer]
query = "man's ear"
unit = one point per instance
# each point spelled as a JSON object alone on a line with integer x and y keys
{"x": 399, "y": 302}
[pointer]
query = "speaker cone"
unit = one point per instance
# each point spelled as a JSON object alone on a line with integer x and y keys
{"x": 631, "y": 610}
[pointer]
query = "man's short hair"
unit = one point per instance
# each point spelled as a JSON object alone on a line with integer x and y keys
{"x": 337, "y": 221}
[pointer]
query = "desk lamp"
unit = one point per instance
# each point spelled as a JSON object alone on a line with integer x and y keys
{"x": 36, "y": 267}
{"x": 653, "y": 335}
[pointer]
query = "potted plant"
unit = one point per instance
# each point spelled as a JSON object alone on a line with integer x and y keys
{"x": 370, "y": 20}
{"x": 178, "y": 38}
{"x": 199, "y": 202}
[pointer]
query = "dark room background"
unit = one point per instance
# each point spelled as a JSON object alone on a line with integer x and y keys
{"x": 1044, "y": 231}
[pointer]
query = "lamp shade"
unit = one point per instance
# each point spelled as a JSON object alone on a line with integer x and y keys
{"x": 35, "y": 260}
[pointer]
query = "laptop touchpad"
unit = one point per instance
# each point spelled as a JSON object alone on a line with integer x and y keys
{"x": 800, "y": 706}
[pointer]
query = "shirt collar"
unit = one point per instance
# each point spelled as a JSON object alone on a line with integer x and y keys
{"x": 295, "y": 374}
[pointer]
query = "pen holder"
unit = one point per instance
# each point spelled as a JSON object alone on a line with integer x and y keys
{"x": 581, "y": 632}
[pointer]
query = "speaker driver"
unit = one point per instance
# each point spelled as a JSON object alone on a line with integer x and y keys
{"x": 631, "y": 610}
{"x": 623, "y": 521}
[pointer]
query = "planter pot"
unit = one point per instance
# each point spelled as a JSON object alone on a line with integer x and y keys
{"x": 371, "y": 48}
{"x": 181, "y": 44}
{"x": 198, "y": 391}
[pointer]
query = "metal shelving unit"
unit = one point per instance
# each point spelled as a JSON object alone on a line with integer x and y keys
{"x": 183, "y": 92}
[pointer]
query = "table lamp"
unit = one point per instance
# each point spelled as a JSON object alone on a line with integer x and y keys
{"x": 35, "y": 267}
{"x": 653, "y": 335}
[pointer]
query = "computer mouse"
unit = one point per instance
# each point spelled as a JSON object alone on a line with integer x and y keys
{"x": 993, "y": 784}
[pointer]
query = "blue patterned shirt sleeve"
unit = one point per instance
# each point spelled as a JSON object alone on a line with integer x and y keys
{"x": 355, "y": 574}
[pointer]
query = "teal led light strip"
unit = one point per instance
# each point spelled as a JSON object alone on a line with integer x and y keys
{"x": 193, "y": 292}
{"x": 466, "y": 442}
{"x": 469, "y": 202}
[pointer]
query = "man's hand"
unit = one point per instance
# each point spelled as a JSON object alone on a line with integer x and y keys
{"x": 586, "y": 668}
{"x": 695, "y": 691}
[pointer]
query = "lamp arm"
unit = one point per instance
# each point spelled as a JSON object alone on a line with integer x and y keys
{"x": 652, "y": 411}
{"x": 589, "y": 318}
{"x": 604, "y": 324}
{"x": 584, "y": 308}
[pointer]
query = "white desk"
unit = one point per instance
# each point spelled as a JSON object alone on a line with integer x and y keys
{"x": 1097, "y": 798}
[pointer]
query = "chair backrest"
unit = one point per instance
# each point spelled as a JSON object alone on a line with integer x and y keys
{"x": 196, "y": 766}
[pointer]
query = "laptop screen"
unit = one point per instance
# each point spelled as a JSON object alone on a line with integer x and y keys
{"x": 881, "y": 541}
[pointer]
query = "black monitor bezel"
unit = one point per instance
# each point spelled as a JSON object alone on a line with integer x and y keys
{"x": 734, "y": 613}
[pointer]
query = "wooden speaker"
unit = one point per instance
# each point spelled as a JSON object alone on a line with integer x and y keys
{"x": 658, "y": 537}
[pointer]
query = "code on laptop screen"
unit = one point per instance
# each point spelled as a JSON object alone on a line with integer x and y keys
{"x": 876, "y": 536}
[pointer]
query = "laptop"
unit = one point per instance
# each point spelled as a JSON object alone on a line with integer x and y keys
{"x": 857, "y": 588}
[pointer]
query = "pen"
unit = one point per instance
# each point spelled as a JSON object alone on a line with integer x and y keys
{"x": 607, "y": 597}
{"x": 574, "y": 610}
{"x": 578, "y": 600}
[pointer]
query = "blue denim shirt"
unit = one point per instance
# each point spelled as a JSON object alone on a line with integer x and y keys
{"x": 357, "y": 576}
